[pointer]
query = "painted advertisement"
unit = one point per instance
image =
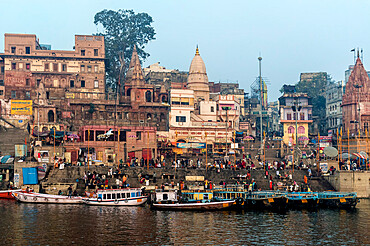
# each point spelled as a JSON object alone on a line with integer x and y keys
{"x": 21, "y": 107}
{"x": 191, "y": 145}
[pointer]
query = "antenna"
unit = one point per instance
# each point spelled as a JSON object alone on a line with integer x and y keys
{"x": 362, "y": 55}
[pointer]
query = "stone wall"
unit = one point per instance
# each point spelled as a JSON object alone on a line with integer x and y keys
{"x": 349, "y": 181}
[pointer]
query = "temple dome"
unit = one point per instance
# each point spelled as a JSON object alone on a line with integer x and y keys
{"x": 198, "y": 79}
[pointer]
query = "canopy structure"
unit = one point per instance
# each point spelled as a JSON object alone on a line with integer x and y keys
{"x": 361, "y": 156}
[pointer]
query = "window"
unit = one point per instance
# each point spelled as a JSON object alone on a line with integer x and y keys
{"x": 180, "y": 118}
{"x": 1, "y": 92}
{"x": 109, "y": 196}
{"x": 138, "y": 135}
{"x": 38, "y": 81}
{"x": 212, "y": 109}
{"x": 128, "y": 195}
{"x": 2, "y": 69}
{"x": 82, "y": 68}
{"x": 46, "y": 66}
{"x": 113, "y": 196}
{"x": 82, "y": 83}
{"x": 71, "y": 83}
{"x": 13, "y": 94}
{"x": 148, "y": 96}
{"x": 28, "y": 50}
{"x": 13, "y": 50}
{"x": 83, "y": 52}
{"x": 123, "y": 195}
{"x": 28, "y": 66}
{"x": 118, "y": 195}
{"x": 309, "y": 116}
{"x": 96, "y": 52}
{"x": 1, "y": 82}
{"x": 64, "y": 67}
{"x": 47, "y": 95}
{"x": 366, "y": 126}
{"x": 290, "y": 129}
{"x": 28, "y": 95}
{"x": 295, "y": 116}
{"x": 301, "y": 129}
{"x": 14, "y": 66}
{"x": 95, "y": 69}
{"x": 55, "y": 67}
{"x": 27, "y": 82}
{"x": 289, "y": 116}
{"x": 96, "y": 84}
{"x": 301, "y": 116}
{"x": 89, "y": 69}
{"x": 104, "y": 196}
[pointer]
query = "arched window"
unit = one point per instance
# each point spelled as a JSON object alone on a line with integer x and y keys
{"x": 148, "y": 117}
{"x": 301, "y": 130}
{"x": 50, "y": 116}
{"x": 164, "y": 98}
{"x": 148, "y": 96}
{"x": 290, "y": 129}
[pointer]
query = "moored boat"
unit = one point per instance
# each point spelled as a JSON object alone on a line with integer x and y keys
{"x": 252, "y": 200}
{"x": 117, "y": 197}
{"x": 33, "y": 197}
{"x": 188, "y": 200}
{"x": 8, "y": 194}
{"x": 333, "y": 199}
{"x": 306, "y": 200}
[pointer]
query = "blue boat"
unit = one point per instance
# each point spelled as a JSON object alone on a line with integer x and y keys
{"x": 252, "y": 200}
{"x": 334, "y": 199}
{"x": 305, "y": 200}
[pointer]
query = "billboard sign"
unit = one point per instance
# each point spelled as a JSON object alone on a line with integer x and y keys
{"x": 191, "y": 145}
{"x": 21, "y": 107}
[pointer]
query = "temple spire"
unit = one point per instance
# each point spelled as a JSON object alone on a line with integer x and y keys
{"x": 197, "y": 51}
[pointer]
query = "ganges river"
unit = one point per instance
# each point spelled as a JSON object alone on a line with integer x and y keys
{"x": 38, "y": 224}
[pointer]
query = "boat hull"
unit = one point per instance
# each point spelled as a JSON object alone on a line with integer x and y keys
{"x": 8, "y": 194}
{"x": 338, "y": 202}
{"x": 137, "y": 201}
{"x": 46, "y": 198}
{"x": 195, "y": 206}
{"x": 273, "y": 203}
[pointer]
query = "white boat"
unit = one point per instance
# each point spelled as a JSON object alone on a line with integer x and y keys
{"x": 33, "y": 197}
{"x": 117, "y": 197}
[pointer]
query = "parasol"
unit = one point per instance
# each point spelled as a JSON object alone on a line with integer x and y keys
{"x": 330, "y": 151}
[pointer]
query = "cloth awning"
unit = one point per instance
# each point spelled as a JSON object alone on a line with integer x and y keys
{"x": 360, "y": 155}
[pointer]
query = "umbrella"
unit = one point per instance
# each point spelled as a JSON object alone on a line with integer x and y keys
{"x": 346, "y": 156}
{"x": 330, "y": 151}
{"x": 360, "y": 155}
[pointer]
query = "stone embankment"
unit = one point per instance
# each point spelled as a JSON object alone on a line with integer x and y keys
{"x": 61, "y": 179}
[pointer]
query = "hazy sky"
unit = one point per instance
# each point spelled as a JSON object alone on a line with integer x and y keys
{"x": 292, "y": 36}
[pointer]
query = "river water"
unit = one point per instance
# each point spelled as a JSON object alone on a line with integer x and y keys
{"x": 39, "y": 224}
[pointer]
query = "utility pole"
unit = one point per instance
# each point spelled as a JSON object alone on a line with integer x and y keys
{"x": 261, "y": 101}
{"x": 227, "y": 123}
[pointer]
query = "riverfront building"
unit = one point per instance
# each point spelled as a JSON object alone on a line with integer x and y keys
{"x": 356, "y": 100}
{"x": 295, "y": 115}
{"x": 196, "y": 120}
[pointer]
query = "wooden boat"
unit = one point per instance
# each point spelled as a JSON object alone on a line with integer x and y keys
{"x": 252, "y": 200}
{"x": 188, "y": 200}
{"x": 33, "y": 197}
{"x": 8, "y": 194}
{"x": 333, "y": 199}
{"x": 306, "y": 200}
{"x": 117, "y": 197}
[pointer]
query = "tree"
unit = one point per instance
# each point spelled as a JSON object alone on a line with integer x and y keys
{"x": 122, "y": 30}
{"x": 315, "y": 88}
